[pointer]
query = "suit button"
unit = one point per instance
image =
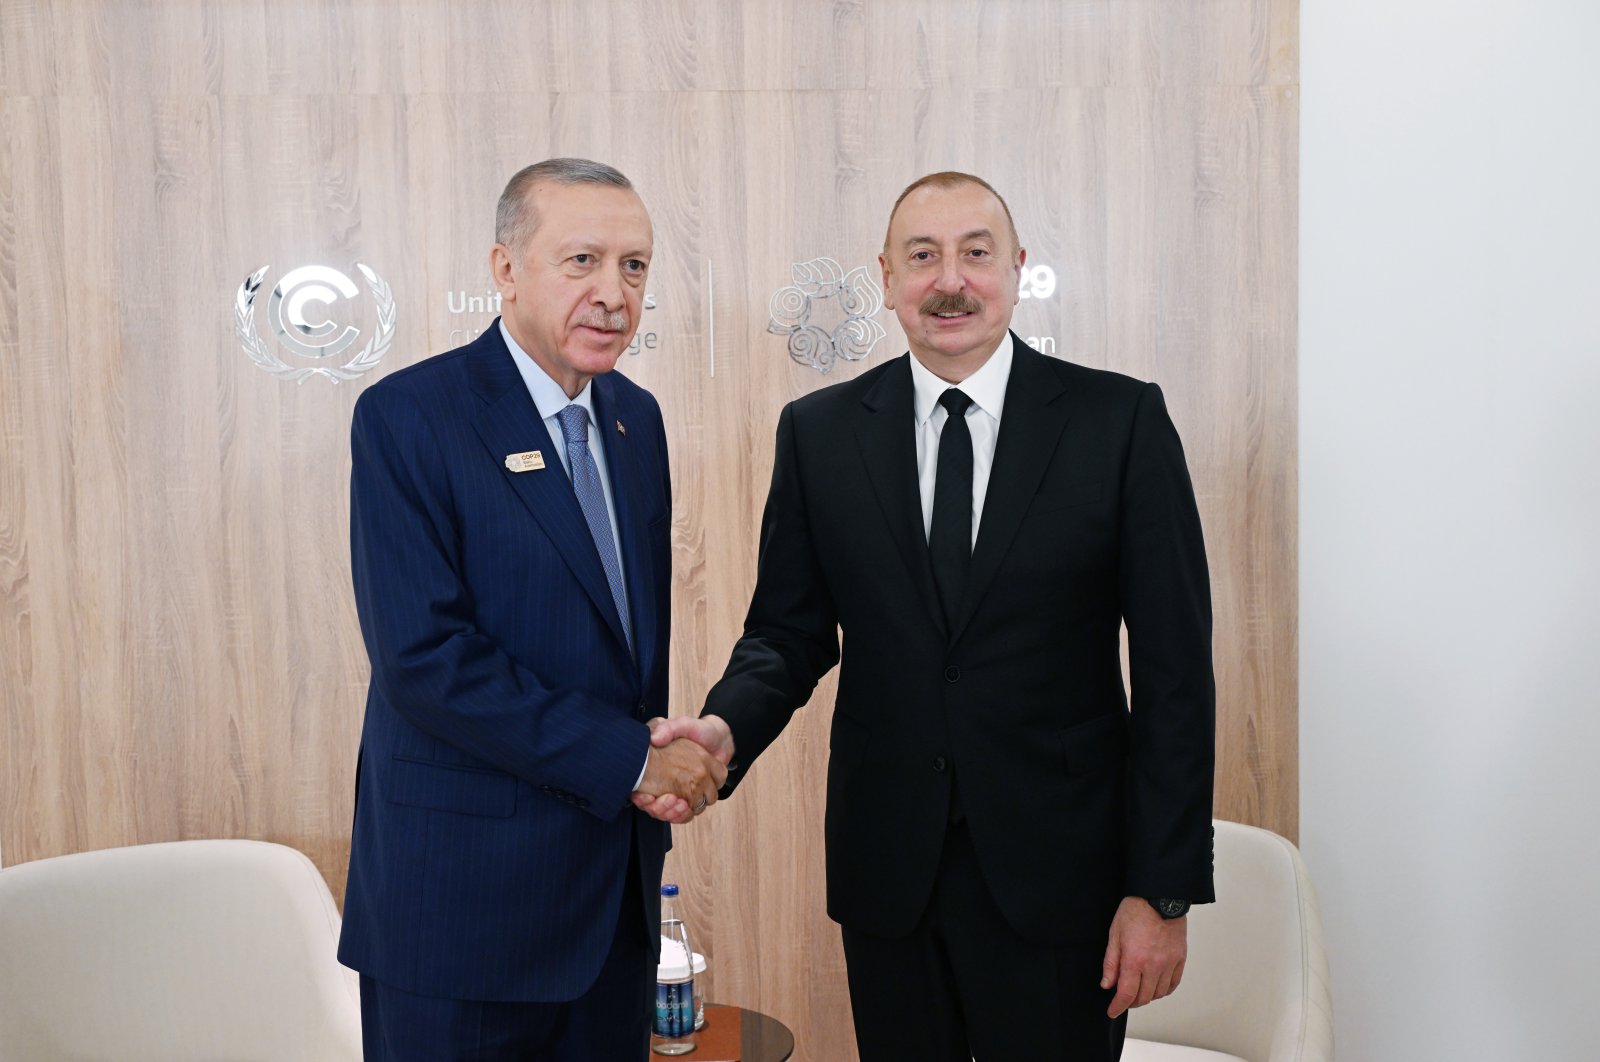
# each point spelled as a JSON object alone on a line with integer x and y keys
{"x": 952, "y": 673}
{"x": 939, "y": 764}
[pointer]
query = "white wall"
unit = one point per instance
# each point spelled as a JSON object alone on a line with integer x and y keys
{"x": 1450, "y": 522}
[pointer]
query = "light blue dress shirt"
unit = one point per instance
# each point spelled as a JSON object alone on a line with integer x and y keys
{"x": 550, "y": 400}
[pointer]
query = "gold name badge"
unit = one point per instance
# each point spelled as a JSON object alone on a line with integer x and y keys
{"x": 531, "y": 461}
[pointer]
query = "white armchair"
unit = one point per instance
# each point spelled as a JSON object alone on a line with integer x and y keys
{"x": 179, "y": 952}
{"x": 1255, "y": 988}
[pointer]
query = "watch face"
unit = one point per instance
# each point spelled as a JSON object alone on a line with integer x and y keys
{"x": 1172, "y": 908}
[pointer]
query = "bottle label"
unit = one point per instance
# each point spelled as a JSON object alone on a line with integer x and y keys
{"x": 674, "y": 1008}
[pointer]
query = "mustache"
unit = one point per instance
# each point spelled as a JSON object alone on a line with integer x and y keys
{"x": 610, "y": 322}
{"x": 942, "y": 303}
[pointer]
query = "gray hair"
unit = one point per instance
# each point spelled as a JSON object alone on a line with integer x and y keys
{"x": 515, "y": 217}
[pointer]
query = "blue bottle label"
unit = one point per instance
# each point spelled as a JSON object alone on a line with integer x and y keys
{"x": 674, "y": 1008}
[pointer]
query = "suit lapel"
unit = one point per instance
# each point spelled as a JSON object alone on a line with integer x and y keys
{"x": 1030, "y": 427}
{"x": 630, "y": 497}
{"x": 886, "y": 432}
{"x": 510, "y": 424}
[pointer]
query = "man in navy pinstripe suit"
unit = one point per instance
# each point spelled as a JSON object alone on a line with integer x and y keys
{"x": 510, "y": 538}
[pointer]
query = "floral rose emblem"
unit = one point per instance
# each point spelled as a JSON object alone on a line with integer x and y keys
{"x": 799, "y": 312}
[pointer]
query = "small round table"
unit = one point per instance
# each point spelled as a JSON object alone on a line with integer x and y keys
{"x": 756, "y": 1037}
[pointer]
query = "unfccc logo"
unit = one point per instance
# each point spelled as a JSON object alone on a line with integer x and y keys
{"x": 292, "y": 322}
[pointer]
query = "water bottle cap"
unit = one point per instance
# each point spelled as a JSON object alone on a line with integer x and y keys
{"x": 669, "y": 890}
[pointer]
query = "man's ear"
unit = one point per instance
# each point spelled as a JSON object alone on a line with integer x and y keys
{"x": 500, "y": 270}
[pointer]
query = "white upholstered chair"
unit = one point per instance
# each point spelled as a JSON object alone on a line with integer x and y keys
{"x": 215, "y": 950}
{"x": 1255, "y": 987}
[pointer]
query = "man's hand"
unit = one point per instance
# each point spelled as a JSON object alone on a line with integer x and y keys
{"x": 1145, "y": 956}
{"x": 710, "y": 732}
{"x": 680, "y": 780}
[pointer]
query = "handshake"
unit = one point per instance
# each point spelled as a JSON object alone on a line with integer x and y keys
{"x": 687, "y": 764}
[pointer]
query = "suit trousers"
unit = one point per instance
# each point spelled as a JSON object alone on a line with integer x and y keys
{"x": 964, "y": 984}
{"x": 608, "y": 1023}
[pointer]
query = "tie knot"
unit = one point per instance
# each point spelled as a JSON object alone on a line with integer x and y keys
{"x": 955, "y": 401}
{"x": 574, "y": 424}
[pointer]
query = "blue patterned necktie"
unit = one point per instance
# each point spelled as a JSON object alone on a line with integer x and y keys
{"x": 592, "y": 500}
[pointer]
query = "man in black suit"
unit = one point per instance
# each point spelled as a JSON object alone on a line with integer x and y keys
{"x": 1011, "y": 850}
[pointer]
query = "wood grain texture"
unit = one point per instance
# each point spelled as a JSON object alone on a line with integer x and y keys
{"x": 179, "y": 655}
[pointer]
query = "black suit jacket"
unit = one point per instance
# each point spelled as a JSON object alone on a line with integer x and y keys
{"x": 1072, "y": 800}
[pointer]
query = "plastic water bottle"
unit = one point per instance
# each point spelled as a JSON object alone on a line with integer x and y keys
{"x": 674, "y": 1017}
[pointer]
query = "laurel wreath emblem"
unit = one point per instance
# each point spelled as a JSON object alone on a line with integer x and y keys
{"x": 819, "y": 280}
{"x": 244, "y": 327}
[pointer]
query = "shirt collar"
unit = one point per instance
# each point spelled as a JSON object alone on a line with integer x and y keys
{"x": 986, "y": 387}
{"x": 547, "y": 395}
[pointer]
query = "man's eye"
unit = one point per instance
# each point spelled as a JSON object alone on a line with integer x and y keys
{"x": 633, "y": 265}
{"x": 920, "y": 256}
{"x": 582, "y": 259}
{"x": 978, "y": 252}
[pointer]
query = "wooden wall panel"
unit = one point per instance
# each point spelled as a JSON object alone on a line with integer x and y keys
{"x": 15, "y": 635}
{"x": 179, "y": 655}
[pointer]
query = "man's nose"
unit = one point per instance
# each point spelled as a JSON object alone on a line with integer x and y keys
{"x": 949, "y": 280}
{"x": 608, "y": 291}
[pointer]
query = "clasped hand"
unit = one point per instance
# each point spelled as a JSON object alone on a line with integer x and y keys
{"x": 688, "y": 763}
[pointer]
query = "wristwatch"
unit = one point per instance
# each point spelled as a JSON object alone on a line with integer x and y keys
{"x": 1169, "y": 909}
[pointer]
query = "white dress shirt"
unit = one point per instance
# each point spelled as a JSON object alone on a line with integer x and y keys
{"x": 987, "y": 389}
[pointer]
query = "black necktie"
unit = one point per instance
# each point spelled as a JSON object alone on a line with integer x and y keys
{"x": 950, "y": 530}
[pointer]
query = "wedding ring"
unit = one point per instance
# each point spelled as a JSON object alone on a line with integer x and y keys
{"x": 701, "y": 806}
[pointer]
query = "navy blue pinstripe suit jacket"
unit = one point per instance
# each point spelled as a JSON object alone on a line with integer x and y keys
{"x": 504, "y": 724}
